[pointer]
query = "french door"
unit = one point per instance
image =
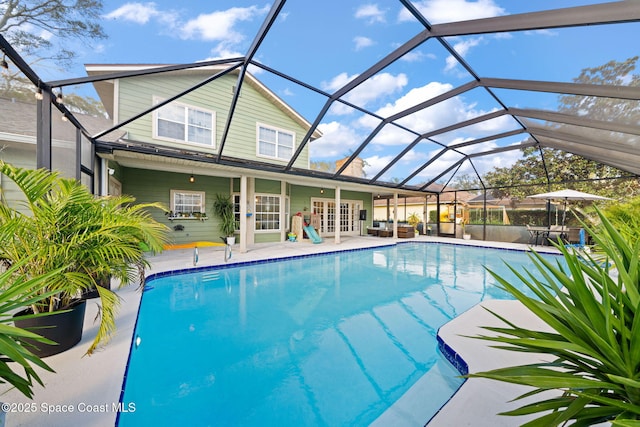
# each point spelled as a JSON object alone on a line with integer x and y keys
{"x": 348, "y": 215}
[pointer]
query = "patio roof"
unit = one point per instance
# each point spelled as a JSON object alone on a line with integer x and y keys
{"x": 483, "y": 114}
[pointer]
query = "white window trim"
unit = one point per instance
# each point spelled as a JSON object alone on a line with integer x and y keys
{"x": 172, "y": 198}
{"x": 233, "y": 200}
{"x": 255, "y": 207}
{"x": 277, "y": 129}
{"x": 157, "y": 100}
{"x": 354, "y": 214}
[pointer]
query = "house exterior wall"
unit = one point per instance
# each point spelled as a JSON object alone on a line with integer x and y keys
{"x": 20, "y": 155}
{"x": 302, "y": 196}
{"x": 137, "y": 94}
{"x": 149, "y": 186}
{"x": 155, "y": 186}
{"x": 151, "y": 180}
{"x": 253, "y": 109}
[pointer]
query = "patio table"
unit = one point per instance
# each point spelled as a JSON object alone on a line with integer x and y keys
{"x": 539, "y": 231}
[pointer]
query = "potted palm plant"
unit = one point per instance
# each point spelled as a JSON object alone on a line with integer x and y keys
{"x": 17, "y": 292}
{"x": 62, "y": 225}
{"x": 414, "y": 220}
{"x": 223, "y": 209}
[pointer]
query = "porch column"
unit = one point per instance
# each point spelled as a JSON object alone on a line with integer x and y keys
{"x": 395, "y": 215}
{"x": 243, "y": 214}
{"x": 336, "y": 217}
{"x": 43, "y": 135}
{"x": 425, "y": 215}
{"x": 104, "y": 177}
{"x": 283, "y": 211}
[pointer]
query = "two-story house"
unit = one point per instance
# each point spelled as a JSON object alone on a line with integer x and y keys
{"x": 167, "y": 155}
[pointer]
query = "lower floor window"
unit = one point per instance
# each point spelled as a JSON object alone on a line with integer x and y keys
{"x": 267, "y": 212}
{"x": 187, "y": 202}
{"x": 236, "y": 210}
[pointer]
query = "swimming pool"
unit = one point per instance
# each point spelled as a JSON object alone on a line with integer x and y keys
{"x": 330, "y": 339}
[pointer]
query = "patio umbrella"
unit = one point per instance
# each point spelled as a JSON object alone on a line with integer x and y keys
{"x": 567, "y": 195}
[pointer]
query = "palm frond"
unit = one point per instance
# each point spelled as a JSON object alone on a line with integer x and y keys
{"x": 591, "y": 307}
{"x": 66, "y": 227}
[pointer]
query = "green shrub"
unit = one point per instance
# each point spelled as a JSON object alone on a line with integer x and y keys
{"x": 625, "y": 217}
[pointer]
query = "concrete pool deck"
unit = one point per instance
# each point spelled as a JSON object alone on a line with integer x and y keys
{"x": 85, "y": 390}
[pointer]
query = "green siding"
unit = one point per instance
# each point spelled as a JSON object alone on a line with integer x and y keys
{"x": 155, "y": 186}
{"x": 136, "y": 94}
{"x": 23, "y": 156}
{"x": 267, "y": 237}
{"x": 267, "y": 186}
{"x": 301, "y": 199}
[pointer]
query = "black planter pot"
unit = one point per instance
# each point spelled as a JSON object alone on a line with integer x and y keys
{"x": 62, "y": 328}
{"x": 105, "y": 282}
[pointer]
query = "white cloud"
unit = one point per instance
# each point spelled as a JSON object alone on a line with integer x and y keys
{"x": 546, "y": 32}
{"x": 337, "y": 82}
{"x": 362, "y": 42}
{"x": 499, "y": 124}
{"x": 139, "y": 13}
{"x": 225, "y": 50}
{"x": 403, "y": 168}
{"x": 416, "y": 56}
{"x": 434, "y": 117}
{"x": 462, "y": 48}
{"x": 336, "y": 141}
{"x": 371, "y": 12}
{"x": 373, "y": 89}
{"x": 424, "y": 120}
{"x": 341, "y": 137}
{"x": 219, "y": 25}
{"x": 438, "y": 11}
{"x": 374, "y": 164}
{"x": 504, "y": 159}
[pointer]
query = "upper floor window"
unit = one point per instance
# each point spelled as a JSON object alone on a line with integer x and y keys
{"x": 184, "y": 123}
{"x": 275, "y": 143}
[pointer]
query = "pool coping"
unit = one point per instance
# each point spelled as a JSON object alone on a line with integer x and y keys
{"x": 480, "y": 398}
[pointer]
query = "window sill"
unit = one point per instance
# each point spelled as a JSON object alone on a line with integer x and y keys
{"x": 171, "y": 218}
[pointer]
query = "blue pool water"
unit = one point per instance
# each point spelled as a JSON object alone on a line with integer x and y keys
{"x": 330, "y": 340}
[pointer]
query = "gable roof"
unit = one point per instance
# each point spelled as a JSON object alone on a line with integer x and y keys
{"x": 105, "y": 91}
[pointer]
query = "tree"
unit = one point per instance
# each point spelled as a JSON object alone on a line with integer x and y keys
{"x": 41, "y": 31}
{"x": 585, "y": 174}
{"x": 84, "y": 105}
{"x": 466, "y": 181}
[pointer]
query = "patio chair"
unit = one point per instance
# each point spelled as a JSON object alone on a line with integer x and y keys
{"x": 535, "y": 234}
{"x": 533, "y": 237}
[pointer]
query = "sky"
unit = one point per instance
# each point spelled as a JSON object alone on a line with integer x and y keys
{"x": 328, "y": 43}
